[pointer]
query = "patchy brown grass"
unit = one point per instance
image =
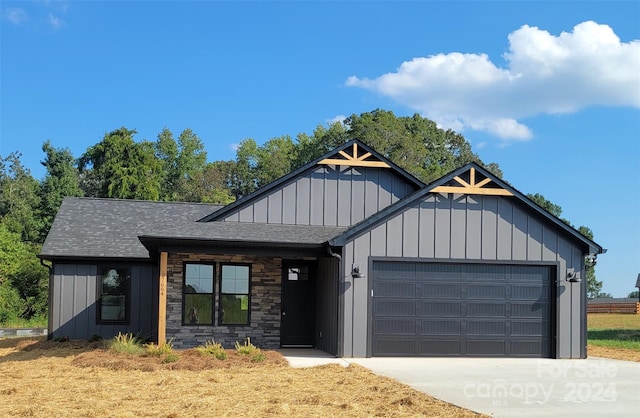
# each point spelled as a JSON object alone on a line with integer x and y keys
{"x": 615, "y": 353}
{"x": 42, "y": 378}
{"x": 599, "y": 321}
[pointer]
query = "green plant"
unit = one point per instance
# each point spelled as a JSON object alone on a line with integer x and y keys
{"x": 212, "y": 348}
{"x": 247, "y": 349}
{"x": 94, "y": 338}
{"x": 171, "y": 357}
{"x": 159, "y": 350}
{"x": 126, "y": 344}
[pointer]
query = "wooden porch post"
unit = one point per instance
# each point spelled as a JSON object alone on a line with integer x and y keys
{"x": 162, "y": 300}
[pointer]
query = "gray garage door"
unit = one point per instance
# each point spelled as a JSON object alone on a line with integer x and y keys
{"x": 444, "y": 309}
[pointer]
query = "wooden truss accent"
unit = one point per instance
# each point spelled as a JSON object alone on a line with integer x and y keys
{"x": 354, "y": 160}
{"x": 472, "y": 187}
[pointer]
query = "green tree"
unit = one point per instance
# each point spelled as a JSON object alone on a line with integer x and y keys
{"x": 182, "y": 162}
{"x": 604, "y": 295}
{"x": 61, "y": 180}
{"x": 212, "y": 185}
{"x": 119, "y": 167}
{"x": 323, "y": 140}
{"x": 19, "y": 199}
{"x": 243, "y": 179}
{"x": 593, "y": 285}
{"x": 634, "y": 295}
{"x": 23, "y": 281}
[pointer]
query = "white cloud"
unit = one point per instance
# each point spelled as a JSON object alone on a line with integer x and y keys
{"x": 544, "y": 74}
{"x": 336, "y": 119}
{"x": 55, "y": 22}
{"x": 15, "y": 15}
{"x": 234, "y": 147}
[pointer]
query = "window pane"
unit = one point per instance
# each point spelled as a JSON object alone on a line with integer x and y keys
{"x": 198, "y": 278}
{"x": 113, "y": 308}
{"x": 235, "y": 279}
{"x": 114, "y": 282}
{"x": 198, "y": 309}
{"x": 298, "y": 273}
{"x": 235, "y": 309}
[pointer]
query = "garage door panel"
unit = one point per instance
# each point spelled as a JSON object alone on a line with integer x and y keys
{"x": 485, "y": 272}
{"x": 522, "y": 328}
{"x": 436, "y": 271}
{"x": 531, "y": 348}
{"x": 396, "y": 326}
{"x": 395, "y": 289}
{"x": 444, "y": 347}
{"x": 440, "y": 290}
{"x": 396, "y": 270}
{"x": 485, "y": 291}
{"x": 530, "y": 310}
{"x": 441, "y": 327}
{"x": 394, "y": 346}
{"x": 440, "y": 309}
{"x": 486, "y": 309}
{"x": 524, "y": 292}
{"x": 530, "y": 273}
{"x": 486, "y": 347}
{"x": 450, "y": 309}
{"x": 496, "y": 328}
{"x": 392, "y": 307}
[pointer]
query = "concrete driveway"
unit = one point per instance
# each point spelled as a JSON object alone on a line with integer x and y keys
{"x": 594, "y": 387}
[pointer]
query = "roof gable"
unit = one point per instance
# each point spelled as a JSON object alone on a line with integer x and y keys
{"x": 352, "y": 154}
{"x": 471, "y": 178}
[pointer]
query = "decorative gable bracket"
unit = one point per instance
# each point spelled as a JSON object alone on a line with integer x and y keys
{"x": 354, "y": 159}
{"x": 461, "y": 186}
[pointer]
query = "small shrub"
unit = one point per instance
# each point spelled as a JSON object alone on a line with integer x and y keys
{"x": 212, "y": 348}
{"x": 159, "y": 350}
{"x": 126, "y": 344}
{"x": 171, "y": 357}
{"x": 247, "y": 349}
{"x": 94, "y": 338}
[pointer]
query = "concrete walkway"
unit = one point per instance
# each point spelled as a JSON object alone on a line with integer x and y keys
{"x": 594, "y": 387}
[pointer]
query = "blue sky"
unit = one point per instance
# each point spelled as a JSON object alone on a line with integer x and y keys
{"x": 548, "y": 90}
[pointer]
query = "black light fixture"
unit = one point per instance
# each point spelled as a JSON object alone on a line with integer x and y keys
{"x": 355, "y": 272}
{"x": 573, "y": 276}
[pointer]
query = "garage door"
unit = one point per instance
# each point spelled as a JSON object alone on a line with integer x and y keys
{"x": 444, "y": 309}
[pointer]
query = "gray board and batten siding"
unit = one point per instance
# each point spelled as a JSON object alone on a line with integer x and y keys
{"x": 74, "y": 301}
{"x": 327, "y": 195}
{"x": 465, "y": 229}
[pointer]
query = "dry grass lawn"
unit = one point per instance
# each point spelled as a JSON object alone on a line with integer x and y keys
{"x": 77, "y": 379}
{"x": 608, "y": 331}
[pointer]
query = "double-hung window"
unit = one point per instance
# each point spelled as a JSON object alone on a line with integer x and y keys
{"x": 234, "y": 294}
{"x": 198, "y": 294}
{"x": 114, "y": 290}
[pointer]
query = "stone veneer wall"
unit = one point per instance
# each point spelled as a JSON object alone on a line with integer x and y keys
{"x": 264, "y": 328}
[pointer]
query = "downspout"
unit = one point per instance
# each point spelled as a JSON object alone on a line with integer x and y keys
{"x": 340, "y": 305}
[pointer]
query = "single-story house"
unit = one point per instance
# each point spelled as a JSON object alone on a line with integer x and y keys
{"x": 349, "y": 254}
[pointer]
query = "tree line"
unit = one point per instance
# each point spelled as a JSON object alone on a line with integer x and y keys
{"x": 177, "y": 169}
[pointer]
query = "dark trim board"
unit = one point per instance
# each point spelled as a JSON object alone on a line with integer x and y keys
{"x": 552, "y": 296}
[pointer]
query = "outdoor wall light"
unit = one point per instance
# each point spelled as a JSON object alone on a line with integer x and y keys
{"x": 355, "y": 272}
{"x": 573, "y": 276}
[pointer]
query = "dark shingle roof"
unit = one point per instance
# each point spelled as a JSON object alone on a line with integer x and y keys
{"x": 250, "y": 232}
{"x": 89, "y": 227}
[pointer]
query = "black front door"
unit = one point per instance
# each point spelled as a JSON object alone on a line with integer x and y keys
{"x": 298, "y": 304}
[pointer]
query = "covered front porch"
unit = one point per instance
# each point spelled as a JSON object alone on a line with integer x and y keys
{"x": 277, "y": 297}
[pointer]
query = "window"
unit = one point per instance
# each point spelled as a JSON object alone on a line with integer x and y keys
{"x": 197, "y": 296}
{"x": 298, "y": 273}
{"x": 114, "y": 289}
{"x": 234, "y": 295}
